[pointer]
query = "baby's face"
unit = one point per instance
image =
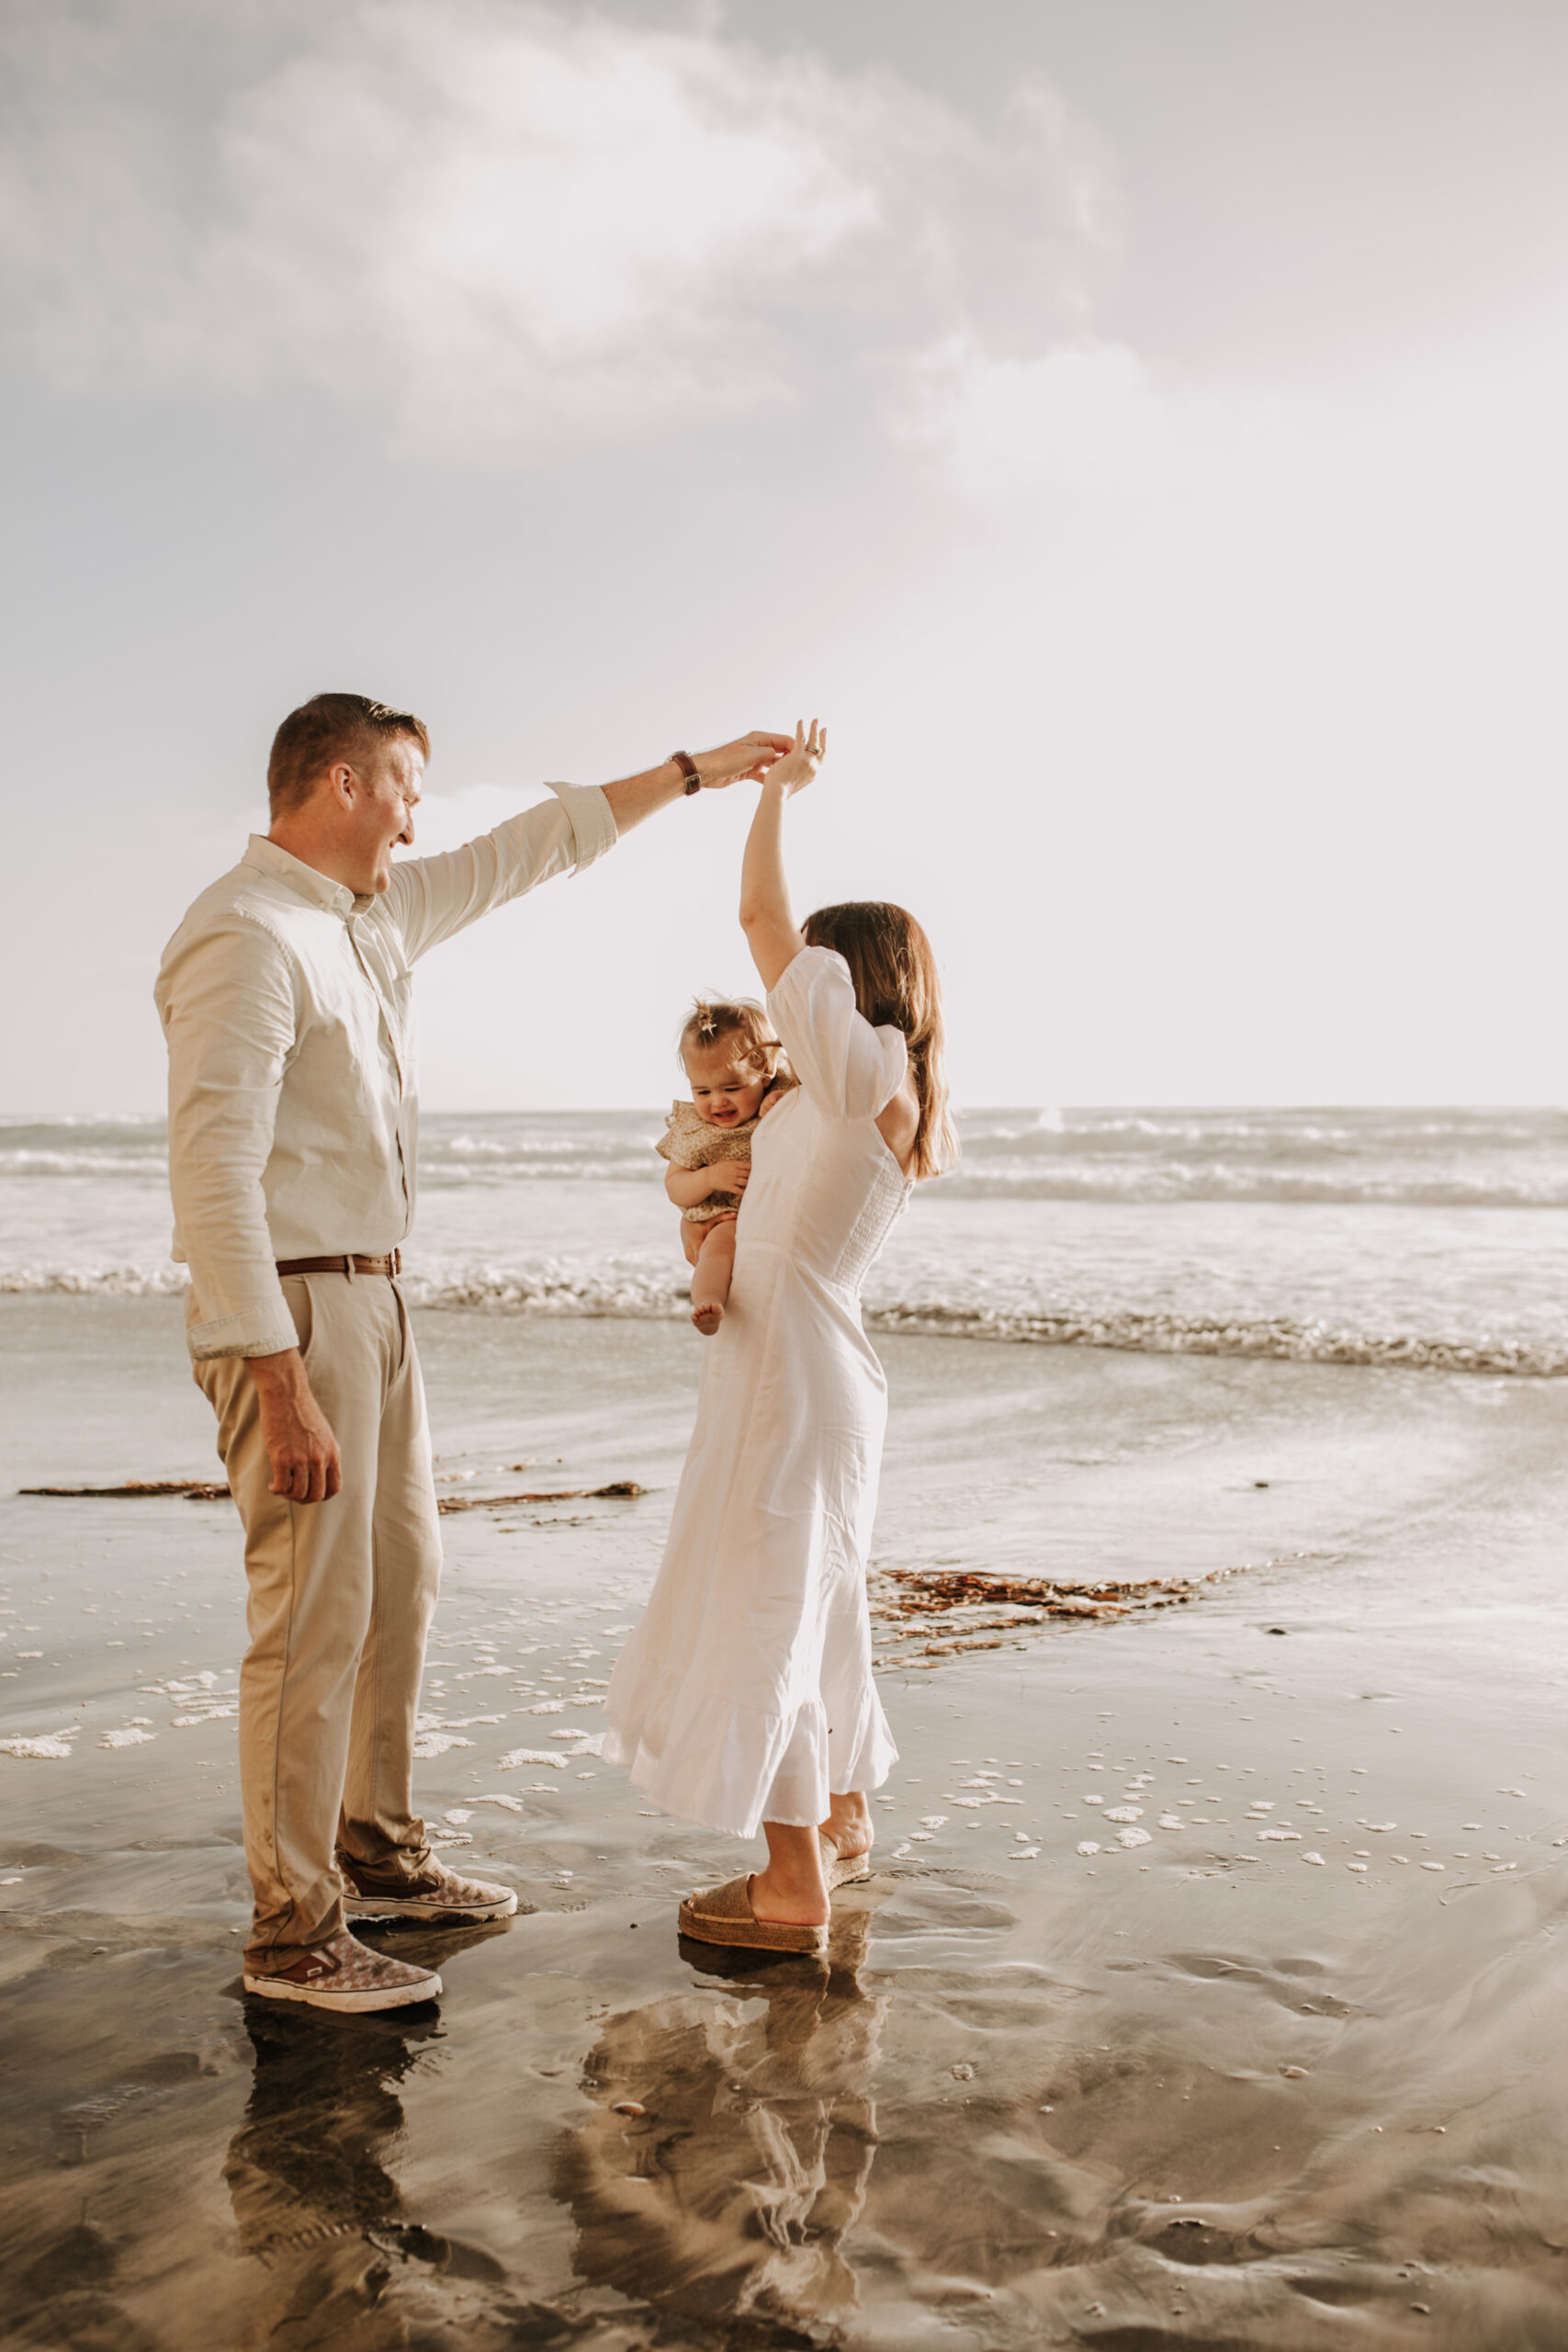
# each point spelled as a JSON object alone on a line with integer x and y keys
{"x": 726, "y": 1093}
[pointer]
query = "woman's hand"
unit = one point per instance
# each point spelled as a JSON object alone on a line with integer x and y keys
{"x": 745, "y": 761}
{"x": 799, "y": 765}
{"x": 770, "y": 930}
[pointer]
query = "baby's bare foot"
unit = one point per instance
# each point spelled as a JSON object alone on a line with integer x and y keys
{"x": 707, "y": 1318}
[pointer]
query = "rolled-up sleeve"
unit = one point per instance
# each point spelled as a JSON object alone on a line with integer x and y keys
{"x": 432, "y": 898}
{"x": 228, "y": 1004}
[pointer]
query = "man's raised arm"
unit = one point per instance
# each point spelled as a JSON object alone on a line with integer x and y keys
{"x": 636, "y": 797}
{"x": 432, "y": 897}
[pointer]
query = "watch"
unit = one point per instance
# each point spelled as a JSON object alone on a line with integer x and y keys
{"x": 688, "y": 767}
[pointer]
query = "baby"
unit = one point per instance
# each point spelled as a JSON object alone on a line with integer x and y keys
{"x": 737, "y": 1072}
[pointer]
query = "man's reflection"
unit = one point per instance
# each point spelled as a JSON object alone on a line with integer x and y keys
{"x": 313, "y": 2200}
{"x": 732, "y": 2193}
{"x": 304, "y": 2171}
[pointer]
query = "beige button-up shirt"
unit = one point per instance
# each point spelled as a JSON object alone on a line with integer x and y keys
{"x": 287, "y": 1003}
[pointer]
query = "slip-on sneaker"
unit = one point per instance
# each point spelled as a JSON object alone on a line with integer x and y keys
{"x": 346, "y": 1974}
{"x": 436, "y": 1895}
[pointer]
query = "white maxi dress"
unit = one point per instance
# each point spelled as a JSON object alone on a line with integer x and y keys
{"x": 746, "y": 1694}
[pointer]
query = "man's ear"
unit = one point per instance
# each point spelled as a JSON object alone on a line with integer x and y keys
{"x": 344, "y": 783}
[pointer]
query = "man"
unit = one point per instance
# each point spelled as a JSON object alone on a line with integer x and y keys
{"x": 285, "y": 998}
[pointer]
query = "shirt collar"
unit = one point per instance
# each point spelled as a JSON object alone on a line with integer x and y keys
{"x": 268, "y": 857}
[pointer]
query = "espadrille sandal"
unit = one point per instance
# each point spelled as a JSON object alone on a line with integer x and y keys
{"x": 842, "y": 1870}
{"x": 723, "y": 1915}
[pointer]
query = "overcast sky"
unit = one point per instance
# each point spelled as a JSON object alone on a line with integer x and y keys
{"x": 1135, "y": 426}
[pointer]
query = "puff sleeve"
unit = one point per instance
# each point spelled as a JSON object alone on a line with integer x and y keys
{"x": 846, "y": 1067}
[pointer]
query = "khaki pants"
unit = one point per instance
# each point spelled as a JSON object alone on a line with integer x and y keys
{"x": 341, "y": 1597}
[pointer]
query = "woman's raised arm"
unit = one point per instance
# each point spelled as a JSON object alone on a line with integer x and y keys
{"x": 766, "y": 917}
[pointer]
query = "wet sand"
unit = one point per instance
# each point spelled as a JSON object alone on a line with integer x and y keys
{"x": 969, "y": 2129}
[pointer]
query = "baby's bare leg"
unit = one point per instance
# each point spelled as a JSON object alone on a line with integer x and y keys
{"x": 710, "y": 1276}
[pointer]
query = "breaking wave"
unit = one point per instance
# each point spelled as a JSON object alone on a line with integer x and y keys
{"x": 1422, "y": 1159}
{"x": 1210, "y": 1336}
{"x": 1434, "y": 1240}
{"x": 658, "y": 1294}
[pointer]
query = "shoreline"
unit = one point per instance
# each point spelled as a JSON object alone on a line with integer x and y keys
{"x": 1199, "y": 2089}
{"x": 635, "y": 1294}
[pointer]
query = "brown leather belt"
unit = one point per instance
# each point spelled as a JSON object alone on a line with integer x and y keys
{"x": 350, "y": 1263}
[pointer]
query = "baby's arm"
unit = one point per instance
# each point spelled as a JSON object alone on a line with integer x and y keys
{"x": 687, "y": 1187}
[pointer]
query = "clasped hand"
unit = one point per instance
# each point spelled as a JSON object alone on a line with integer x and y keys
{"x": 782, "y": 759}
{"x": 799, "y": 765}
{"x": 745, "y": 761}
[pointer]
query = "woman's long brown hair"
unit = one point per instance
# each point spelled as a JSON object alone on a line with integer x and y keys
{"x": 897, "y": 987}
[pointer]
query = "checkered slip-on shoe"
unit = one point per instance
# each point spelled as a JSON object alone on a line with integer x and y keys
{"x": 437, "y": 1895}
{"x": 347, "y": 1974}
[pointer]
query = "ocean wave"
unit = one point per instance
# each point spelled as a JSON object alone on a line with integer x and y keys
{"x": 437, "y": 1174}
{"x": 526, "y": 1149}
{"x": 1386, "y": 1159}
{"x": 1270, "y": 1335}
{"x": 640, "y": 1295}
{"x": 1153, "y": 1182}
{"x": 1163, "y": 1183}
{"x": 93, "y": 1282}
{"x": 552, "y": 1290}
{"x": 152, "y": 1162}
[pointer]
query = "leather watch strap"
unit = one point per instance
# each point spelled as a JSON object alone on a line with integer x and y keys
{"x": 688, "y": 767}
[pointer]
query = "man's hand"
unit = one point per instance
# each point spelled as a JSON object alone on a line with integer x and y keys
{"x": 745, "y": 761}
{"x": 632, "y": 797}
{"x": 727, "y": 1175}
{"x": 301, "y": 1447}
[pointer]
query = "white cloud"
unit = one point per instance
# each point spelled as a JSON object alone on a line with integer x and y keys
{"x": 447, "y": 820}
{"x": 473, "y": 218}
{"x": 1083, "y": 415}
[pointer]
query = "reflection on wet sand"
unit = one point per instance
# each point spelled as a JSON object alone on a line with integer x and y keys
{"x": 310, "y": 2193}
{"x": 307, "y": 2173}
{"x": 727, "y": 2193}
{"x": 1229, "y": 2088}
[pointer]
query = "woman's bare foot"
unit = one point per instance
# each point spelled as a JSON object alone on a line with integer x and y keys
{"x": 849, "y": 1828}
{"x": 792, "y": 1889}
{"x": 707, "y": 1318}
{"x": 785, "y": 1903}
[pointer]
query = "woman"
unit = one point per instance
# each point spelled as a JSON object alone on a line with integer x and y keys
{"x": 746, "y": 1694}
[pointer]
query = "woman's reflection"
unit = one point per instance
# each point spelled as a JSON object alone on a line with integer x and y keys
{"x": 732, "y": 2192}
